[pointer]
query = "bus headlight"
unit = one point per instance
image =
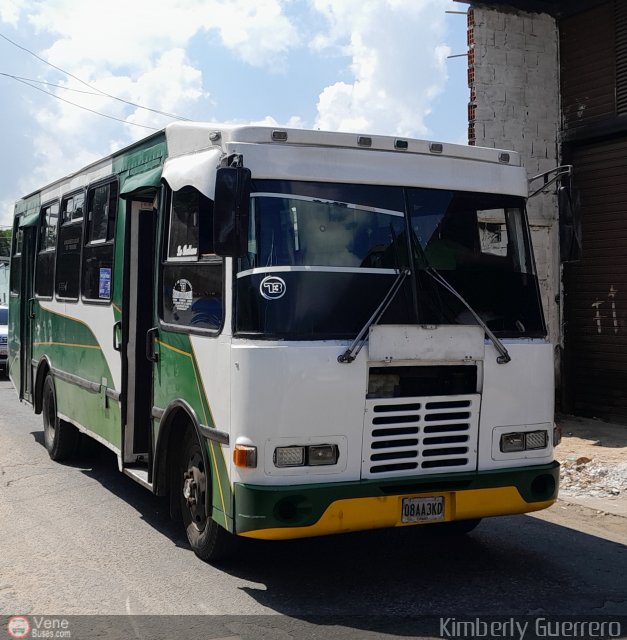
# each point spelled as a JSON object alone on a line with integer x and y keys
{"x": 289, "y": 456}
{"x": 524, "y": 441}
{"x": 322, "y": 454}
{"x": 314, "y": 455}
{"x": 512, "y": 442}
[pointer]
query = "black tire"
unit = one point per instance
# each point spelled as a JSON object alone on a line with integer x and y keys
{"x": 454, "y": 528}
{"x": 209, "y": 541}
{"x": 60, "y": 437}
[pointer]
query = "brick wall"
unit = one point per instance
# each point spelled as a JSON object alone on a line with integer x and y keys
{"x": 513, "y": 75}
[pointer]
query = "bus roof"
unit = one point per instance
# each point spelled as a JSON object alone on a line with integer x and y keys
{"x": 184, "y": 138}
{"x": 190, "y": 137}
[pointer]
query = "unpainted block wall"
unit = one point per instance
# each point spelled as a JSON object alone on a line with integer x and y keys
{"x": 513, "y": 76}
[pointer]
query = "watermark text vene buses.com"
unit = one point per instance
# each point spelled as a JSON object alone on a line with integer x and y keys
{"x": 527, "y": 628}
{"x": 19, "y": 627}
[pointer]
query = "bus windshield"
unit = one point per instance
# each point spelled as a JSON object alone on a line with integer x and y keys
{"x": 322, "y": 256}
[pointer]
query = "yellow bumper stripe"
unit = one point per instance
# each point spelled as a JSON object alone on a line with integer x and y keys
{"x": 358, "y": 514}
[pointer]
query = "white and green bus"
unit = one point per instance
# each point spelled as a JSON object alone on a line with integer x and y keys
{"x": 292, "y": 333}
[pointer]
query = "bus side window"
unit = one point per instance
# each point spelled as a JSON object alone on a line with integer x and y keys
{"x": 46, "y": 251}
{"x": 99, "y": 246}
{"x": 69, "y": 247}
{"x": 191, "y": 272}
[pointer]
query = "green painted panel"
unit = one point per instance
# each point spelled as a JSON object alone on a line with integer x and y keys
{"x": 29, "y": 219}
{"x": 71, "y": 346}
{"x": 151, "y": 151}
{"x": 149, "y": 178}
{"x": 28, "y": 205}
{"x": 90, "y": 411}
{"x": 177, "y": 377}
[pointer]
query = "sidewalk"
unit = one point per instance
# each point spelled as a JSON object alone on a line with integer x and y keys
{"x": 593, "y": 455}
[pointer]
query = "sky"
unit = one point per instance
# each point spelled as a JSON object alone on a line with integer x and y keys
{"x": 369, "y": 66}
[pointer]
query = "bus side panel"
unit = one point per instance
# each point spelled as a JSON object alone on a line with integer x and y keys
{"x": 92, "y": 412}
{"x": 178, "y": 377}
{"x": 72, "y": 348}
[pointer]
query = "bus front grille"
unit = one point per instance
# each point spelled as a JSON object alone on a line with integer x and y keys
{"x": 419, "y": 436}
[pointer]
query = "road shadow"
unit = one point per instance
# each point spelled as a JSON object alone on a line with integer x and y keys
{"x": 513, "y": 565}
{"x": 596, "y": 432}
{"x": 382, "y": 581}
{"x": 100, "y": 463}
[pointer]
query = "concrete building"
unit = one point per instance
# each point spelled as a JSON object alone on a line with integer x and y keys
{"x": 548, "y": 78}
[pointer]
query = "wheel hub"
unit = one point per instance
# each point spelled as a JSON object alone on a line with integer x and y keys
{"x": 194, "y": 487}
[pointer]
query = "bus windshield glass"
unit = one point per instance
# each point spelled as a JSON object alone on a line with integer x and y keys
{"x": 322, "y": 256}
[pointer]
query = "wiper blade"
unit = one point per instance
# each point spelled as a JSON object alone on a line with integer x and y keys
{"x": 504, "y": 356}
{"x": 351, "y": 353}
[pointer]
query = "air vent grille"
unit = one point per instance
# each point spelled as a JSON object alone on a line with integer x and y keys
{"x": 431, "y": 435}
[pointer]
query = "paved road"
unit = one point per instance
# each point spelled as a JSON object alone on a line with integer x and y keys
{"x": 84, "y": 539}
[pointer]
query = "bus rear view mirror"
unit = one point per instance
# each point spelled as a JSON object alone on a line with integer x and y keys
{"x": 231, "y": 210}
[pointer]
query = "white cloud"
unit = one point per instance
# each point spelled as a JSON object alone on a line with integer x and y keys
{"x": 397, "y": 64}
{"x": 129, "y": 34}
{"x": 136, "y": 51}
{"x": 6, "y": 212}
{"x": 157, "y": 54}
{"x": 294, "y": 122}
{"x": 10, "y": 11}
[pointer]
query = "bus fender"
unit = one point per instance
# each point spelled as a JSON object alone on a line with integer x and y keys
{"x": 178, "y": 414}
{"x": 43, "y": 368}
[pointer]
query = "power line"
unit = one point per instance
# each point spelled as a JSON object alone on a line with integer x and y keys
{"x": 104, "y": 115}
{"x": 50, "y": 84}
{"x": 104, "y": 93}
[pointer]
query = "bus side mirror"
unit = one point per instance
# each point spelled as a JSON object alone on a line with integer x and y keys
{"x": 569, "y": 225}
{"x": 230, "y": 211}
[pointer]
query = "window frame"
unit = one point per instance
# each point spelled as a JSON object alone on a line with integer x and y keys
{"x": 65, "y": 224}
{"x": 47, "y": 250}
{"x": 165, "y": 211}
{"x": 106, "y": 242}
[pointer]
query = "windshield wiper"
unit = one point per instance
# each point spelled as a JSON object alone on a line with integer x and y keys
{"x": 351, "y": 353}
{"x": 504, "y": 356}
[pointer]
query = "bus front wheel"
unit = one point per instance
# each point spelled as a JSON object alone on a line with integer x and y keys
{"x": 208, "y": 540}
{"x": 60, "y": 437}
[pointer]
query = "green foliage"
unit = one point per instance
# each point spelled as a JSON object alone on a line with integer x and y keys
{"x": 5, "y": 242}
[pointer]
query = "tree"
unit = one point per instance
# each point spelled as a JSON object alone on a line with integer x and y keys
{"x": 5, "y": 242}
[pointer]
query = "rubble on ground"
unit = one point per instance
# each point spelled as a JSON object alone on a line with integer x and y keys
{"x": 584, "y": 477}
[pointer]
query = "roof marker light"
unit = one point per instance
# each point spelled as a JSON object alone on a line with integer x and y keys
{"x": 364, "y": 141}
{"x": 402, "y": 145}
{"x": 279, "y": 136}
{"x": 435, "y": 147}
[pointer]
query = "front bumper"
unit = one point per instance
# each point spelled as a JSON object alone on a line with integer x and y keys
{"x": 302, "y": 511}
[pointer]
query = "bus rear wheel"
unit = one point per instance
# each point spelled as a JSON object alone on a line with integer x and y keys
{"x": 60, "y": 437}
{"x": 208, "y": 540}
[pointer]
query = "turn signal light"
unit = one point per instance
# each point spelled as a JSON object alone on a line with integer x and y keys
{"x": 245, "y": 456}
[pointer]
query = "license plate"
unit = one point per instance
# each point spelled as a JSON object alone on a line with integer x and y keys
{"x": 422, "y": 509}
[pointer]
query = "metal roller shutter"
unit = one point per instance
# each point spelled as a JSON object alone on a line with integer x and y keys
{"x": 595, "y": 289}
